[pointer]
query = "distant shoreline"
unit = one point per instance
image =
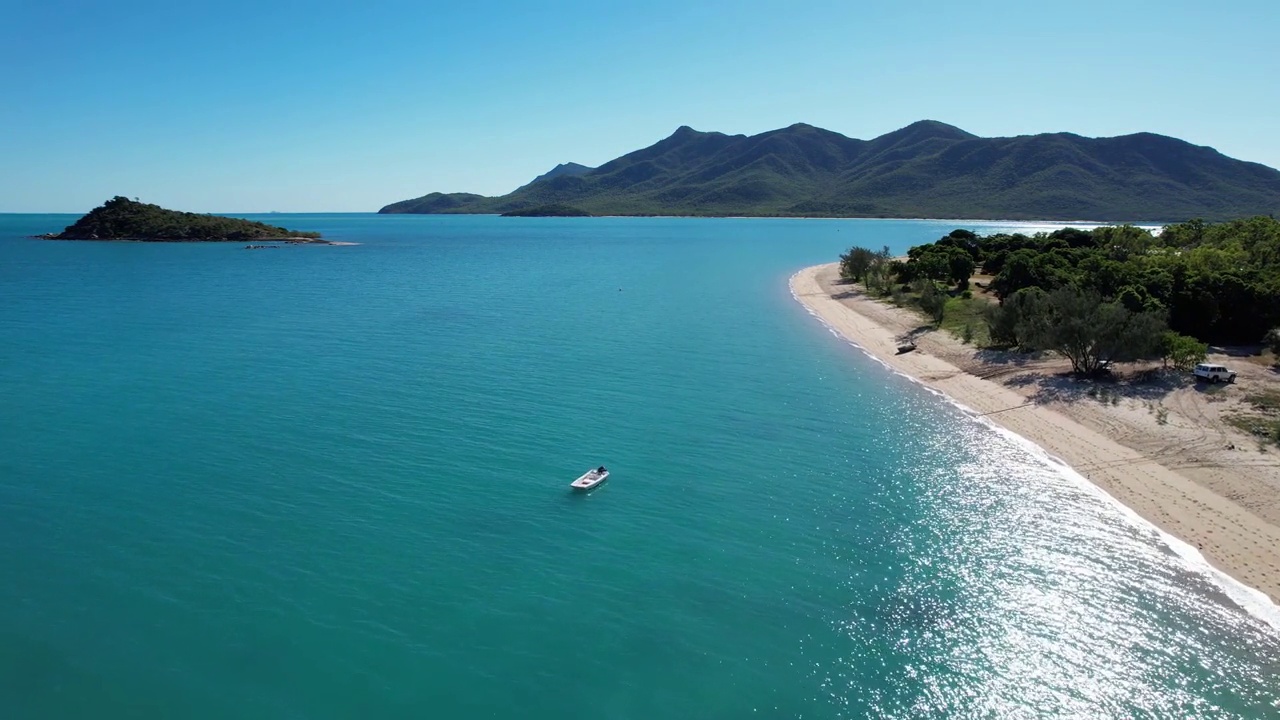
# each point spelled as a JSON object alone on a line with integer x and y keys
{"x": 1213, "y": 524}
{"x": 1036, "y": 221}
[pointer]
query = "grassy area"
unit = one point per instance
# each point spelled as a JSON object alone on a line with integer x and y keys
{"x": 962, "y": 318}
{"x": 1266, "y": 429}
{"x": 1267, "y": 401}
{"x": 1265, "y": 358}
{"x": 1215, "y": 393}
{"x": 1264, "y": 422}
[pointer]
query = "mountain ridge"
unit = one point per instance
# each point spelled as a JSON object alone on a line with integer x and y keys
{"x": 570, "y": 168}
{"x": 928, "y": 169}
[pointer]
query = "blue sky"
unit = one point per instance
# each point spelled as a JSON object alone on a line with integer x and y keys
{"x": 335, "y": 106}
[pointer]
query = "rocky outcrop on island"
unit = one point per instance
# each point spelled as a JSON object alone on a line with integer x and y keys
{"x": 123, "y": 219}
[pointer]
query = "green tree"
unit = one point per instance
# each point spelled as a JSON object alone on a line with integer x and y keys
{"x": 879, "y": 279}
{"x": 1181, "y": 351}
{"x": 933, "y": 266}
{"x": 905, "y": 272}
{"x": 1123, "y": 241}
{"x": 1001, "y": 325}
{"x": 1020, "y": 270}
{"x": 961, "y": 266}
{"x": 1088, "y": 331}
{"x": 1010, "y": 324}
{"x": 855, "y": 263}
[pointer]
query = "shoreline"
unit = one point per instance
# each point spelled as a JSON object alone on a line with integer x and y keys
{"x": 289, "y": 240}
{"x": 1215, "y": 531}
{"x": 1024, "y": 221}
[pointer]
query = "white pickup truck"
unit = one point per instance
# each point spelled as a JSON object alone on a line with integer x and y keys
{"x": 1214, "y": 373}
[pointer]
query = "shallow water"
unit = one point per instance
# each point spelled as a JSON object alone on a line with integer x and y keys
{"x": 332, "y": 482}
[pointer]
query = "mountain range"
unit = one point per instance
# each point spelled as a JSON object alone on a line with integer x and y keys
{"x": 926, "y": 170}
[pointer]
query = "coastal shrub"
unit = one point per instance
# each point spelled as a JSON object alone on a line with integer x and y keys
{"x": 1272, "y": 341}
{"x": 878, "y": 280}
{"x": 933, "y": 301}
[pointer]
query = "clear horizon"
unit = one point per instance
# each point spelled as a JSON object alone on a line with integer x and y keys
{"x": 252, "y": 108}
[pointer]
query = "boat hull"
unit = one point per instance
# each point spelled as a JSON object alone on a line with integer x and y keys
{"x": 589, "y": 481}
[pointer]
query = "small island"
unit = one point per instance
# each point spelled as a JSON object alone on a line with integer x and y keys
{"x": 552, "y": 210}
{"x": 123, "y": 219}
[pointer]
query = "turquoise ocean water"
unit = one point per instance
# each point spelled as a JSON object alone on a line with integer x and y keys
{"x": 330, "y": 482}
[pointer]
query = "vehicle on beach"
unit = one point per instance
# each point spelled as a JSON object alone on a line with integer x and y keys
{"x": 1213, "y": 373}
{"x": 590, "y": 479}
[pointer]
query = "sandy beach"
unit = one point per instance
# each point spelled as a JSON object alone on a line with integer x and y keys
{"x": 1162, "y": 450}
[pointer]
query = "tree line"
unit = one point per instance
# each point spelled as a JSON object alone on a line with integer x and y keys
{"x": 1110, "y": 294}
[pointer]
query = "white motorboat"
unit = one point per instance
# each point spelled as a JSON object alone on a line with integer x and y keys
{"x": 590, "y": 479}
